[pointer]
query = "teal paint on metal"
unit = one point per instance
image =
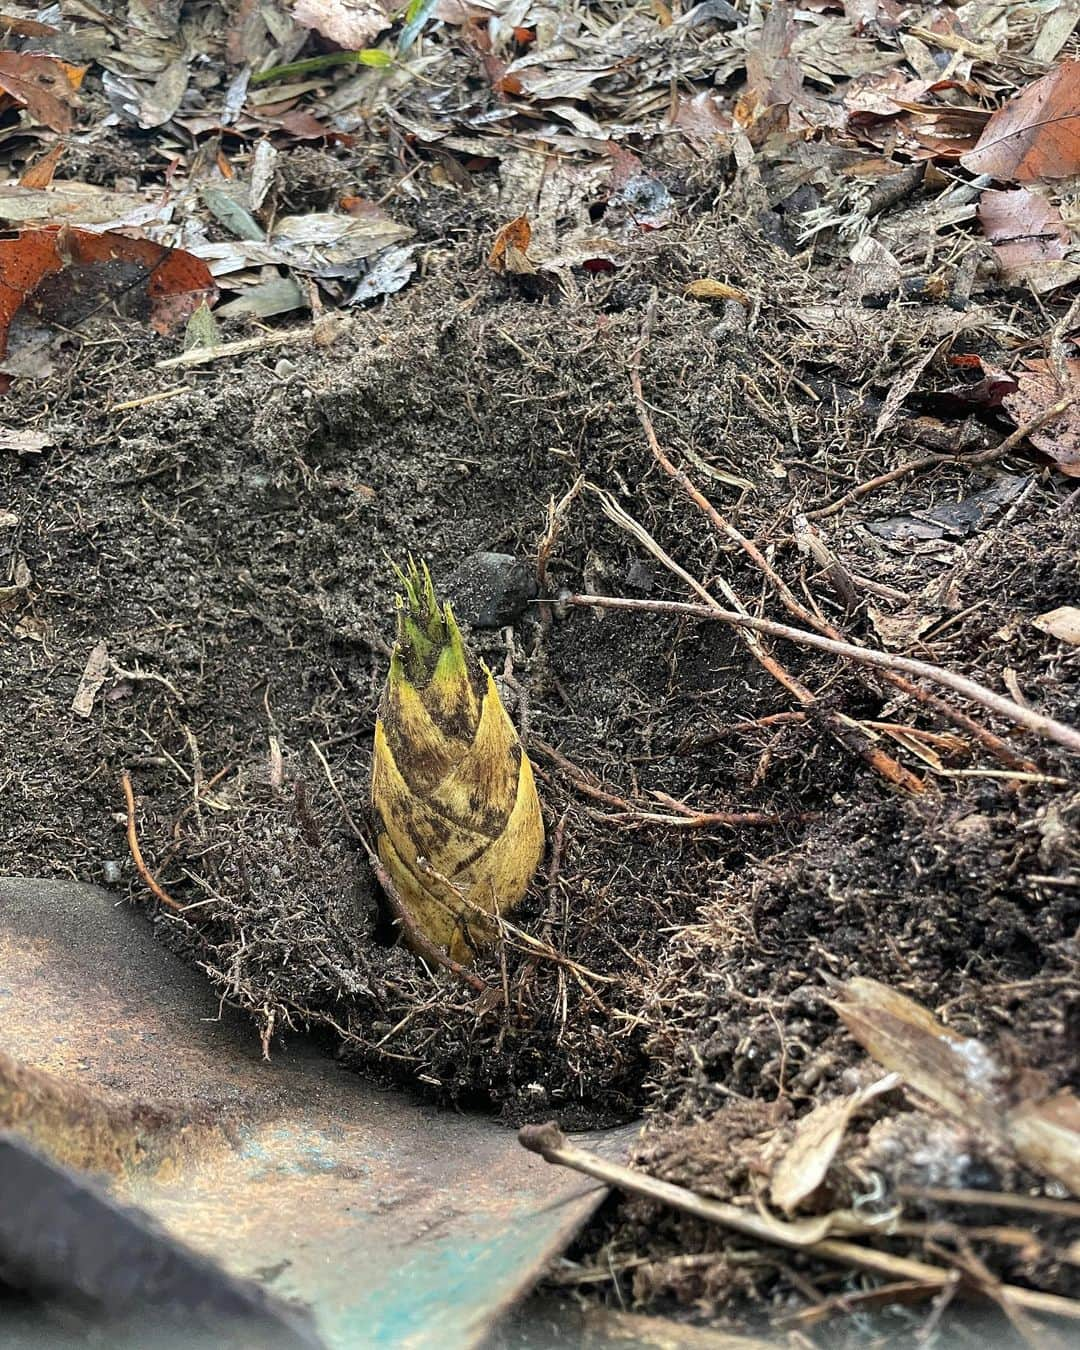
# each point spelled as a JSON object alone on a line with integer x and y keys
{"x": 441, "y": 1276}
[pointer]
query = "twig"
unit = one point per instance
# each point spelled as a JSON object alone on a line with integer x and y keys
{"x": 203, "y": 356}
{"x": 901, "y": 1291}
{"x": 558, "y": 842}
{"x": 1034, "y": 1204}
{"x": 1048, "y": 727}
{"x": 137, "y": 675}
{"x": 556, "y": 512}
{"x": 787, "y": 596}
{"x": 1005, "y": 447}
{"x": 552, "y": 1145}
{"x": 882, "y": 763}
{"x": 159, "y": 397}
{"x": 136, "y": 851}
{"x": 690, "y": 820}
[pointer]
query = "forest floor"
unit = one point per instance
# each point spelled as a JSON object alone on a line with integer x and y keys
{"x": 674, "y": 306}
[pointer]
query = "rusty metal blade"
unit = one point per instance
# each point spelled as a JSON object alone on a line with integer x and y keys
{"x": 397, "y": 1224}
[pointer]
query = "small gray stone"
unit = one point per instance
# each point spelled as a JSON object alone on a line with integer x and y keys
{"x": 489, "y": 590}
{"x": 640, "y": 577}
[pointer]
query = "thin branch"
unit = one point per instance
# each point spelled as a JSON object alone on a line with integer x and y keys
{"x": 848, "y": 735}
{"x": 688, "y": 820}
{"x": 790, "y": 600}
{"x": 553, "y": 1146}
{"x": 1047, "y": 727}
{"x": 1006, "y": 447}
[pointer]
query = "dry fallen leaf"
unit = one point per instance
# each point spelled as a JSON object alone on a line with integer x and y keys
{"x": 963, "y": 1077}
{"x": 1028, "y": 235}
{"x": 707, "y": 288}
{"x": 510, "y": 249}
{"x": 903, "y": 630}
{"x": 702, "y": 119}
{"x": 13, "y": 594}
{"x": 331, "y": 243}
{"x": 24, "y": 440}
{"x": 93, "y": 677}
{"x": 1037, "y": 390}
{"x": 40, "y": 174}
{"x": 352, "y": 24}
{"x": 1046, "y": 1134}
{"x": 44, "y": 86}
{"x": 1062, "y": 623}
{"x": 30, "y": 629}
{"x": 1036, "y": 134}
{"x": 818, "y": 1135}
{"x": 61, "y": 274}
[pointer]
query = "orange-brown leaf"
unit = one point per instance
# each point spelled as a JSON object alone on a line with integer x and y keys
{"x": 44, "y": 86}
{"x": 1037, "y": 391}
{"x": 40, "y": 173}
{"x": 1024, "y": 228}
{"x": 1036, "y": 134}
{"x": 63, "y": 274}
{"x": 508, "y": 253}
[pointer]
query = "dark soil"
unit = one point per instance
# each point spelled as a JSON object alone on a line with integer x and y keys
{"x": 233, "y": 547}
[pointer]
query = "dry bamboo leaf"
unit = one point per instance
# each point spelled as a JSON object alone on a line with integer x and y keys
{"x": 902, "y": 386}
{"x": 1063, "y": 623}
{"x": 708, "y": 288}
{"x": 818, "y": 1135}
{"x": 961, "y": 1075}
{"x": 1046, "y": 1134}
{"x": 954, "y": 1071}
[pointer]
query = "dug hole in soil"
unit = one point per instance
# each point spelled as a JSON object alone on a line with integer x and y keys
{"x": 232, "y": 547}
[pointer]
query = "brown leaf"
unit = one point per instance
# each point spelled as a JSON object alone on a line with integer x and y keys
{"x": 962, "y": 1076}
{"x": 1035, "y": 135}
{"x": 803, "y": 1168}
{"x": 1025, "y": 229}
{"x": 44, "y": 86}
{"x": 352, "y": 24}
{"x": 62, "y": 274}
{"x": 19, "y": 27}
{"x": 91, "y": 680}
{"x": 508, "y": 253}
{"x": 708, "y": 288}
{"x": 1038, "y": 389}
{"x": 701, "y": 118}
{"x": 39, "y": 175}
{"x": 774, "y": 77}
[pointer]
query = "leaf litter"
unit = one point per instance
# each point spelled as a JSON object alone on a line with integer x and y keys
{"x": 854, "y": 228}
